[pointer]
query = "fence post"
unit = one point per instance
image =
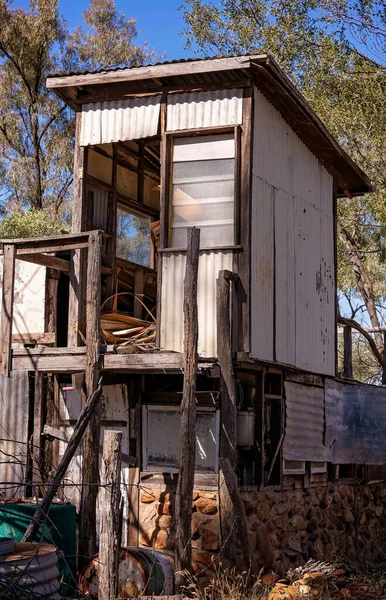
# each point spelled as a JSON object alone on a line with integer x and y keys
{"x": 347, "y": 352}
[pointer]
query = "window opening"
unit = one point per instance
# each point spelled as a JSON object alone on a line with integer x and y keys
{"x": 203, "y": 189}
{"x": 133, "y": 236}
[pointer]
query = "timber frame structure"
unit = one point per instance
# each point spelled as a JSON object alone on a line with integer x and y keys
{"x": 147, "y": 138}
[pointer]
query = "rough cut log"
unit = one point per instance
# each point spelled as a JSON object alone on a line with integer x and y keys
{"x": 79, "y": 429}
{"x": 90, "y": 466}
{"x": 234, "y": 529}
{"x": 110, "y": 517}
{"x": 183, "y": 508}
{"x": 224, "y": 353}
{"x": 7, "y": 307}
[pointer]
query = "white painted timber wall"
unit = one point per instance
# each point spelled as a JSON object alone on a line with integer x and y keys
{"x": 29, "y": 297}
{"x": 172, "y": 319}
{"x": 292, "y": 263}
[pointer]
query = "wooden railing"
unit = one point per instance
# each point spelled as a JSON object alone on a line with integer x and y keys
{"x": 38, "y": 251}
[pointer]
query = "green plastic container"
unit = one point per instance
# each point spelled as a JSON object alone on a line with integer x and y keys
{"x": 59, "y": 529}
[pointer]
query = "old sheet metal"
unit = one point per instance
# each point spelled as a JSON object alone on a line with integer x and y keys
{"x": 355, "y": 423}
{"x": 304, "y": 430}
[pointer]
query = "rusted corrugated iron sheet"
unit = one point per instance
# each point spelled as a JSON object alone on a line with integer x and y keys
{"x": 173, "y": 272}
{"x": 120, "y": 120}
{"x": 293, "y": 311}
{"x": 204, "y": 109}
{"x": 14, "y": 407}
{"x": 355, "y": 423}
{"x": 304, "y": 429}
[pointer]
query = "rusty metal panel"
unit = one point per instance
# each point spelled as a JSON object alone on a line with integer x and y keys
{"x": 304, "y": 429}
{"x": 173, "y": 273}
{"x": 120, "y": 120}
{"x": 14, "y": 407}
{"x": 355, "y": 423}
{"x": 292, "y": 261}
{"x": 262, "y": 270}
{"x": 193, "y": 110}
{"x": 29, "y": 298}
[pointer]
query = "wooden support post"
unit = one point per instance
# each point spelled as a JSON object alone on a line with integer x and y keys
{"x": 110, "y": 517}
{"x": 384, "y": 359}
{"x": 347, "y": 352}
{"x": 139, "y": 284}
{"x": 234, "y": 528}
{"x": 76, "y": 309}
{"x": 184, "y": 494}
{"x": 51, "y": 302}
{"x": 7, "y": 307}
{"x": 90, "y": 467}
{"x": 37, "y": 454}
{"x": 224, "y": 353}
{"x": 79, "y": 429}
{"x": 110, "y": 257}
{"x": 234, "y": 521}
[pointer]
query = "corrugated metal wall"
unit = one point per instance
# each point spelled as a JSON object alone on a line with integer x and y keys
{"x": 292, "y": 262}
{"x": 100, "y": 207}
{"x": 304, "y": 430}
{"x": 173, "y": 272}
{"x": 120, "y": 120}
{"x": 204, "y": 109}
{"x": 14, "y": 403}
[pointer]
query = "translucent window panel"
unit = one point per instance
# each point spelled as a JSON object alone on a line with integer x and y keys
{"x": 161, "y": 439}
{"x": 203, "y": 196}
{"x": 133, "y": 237}
{"x": 206, "y": 147}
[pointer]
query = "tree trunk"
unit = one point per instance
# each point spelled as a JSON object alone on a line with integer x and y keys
{"x": 183, "y": 508}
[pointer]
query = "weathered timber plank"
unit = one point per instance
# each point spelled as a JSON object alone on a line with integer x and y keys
{"x": 34, "y": 338}
{"x": 49, "y": 240}
{"x": 37, "y": 455}
{"x": 111, "y": 516}
{"x": 187, "y": 458}
{"x": 45, "y": 260}
{"x": 90, "y": 465}
{"x": 7, "y": 307}
{"x": 171, "y": 70}
{"x": 138, "y": 363}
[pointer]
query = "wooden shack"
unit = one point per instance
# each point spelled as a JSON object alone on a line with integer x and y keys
{"x": 231, "y": 147}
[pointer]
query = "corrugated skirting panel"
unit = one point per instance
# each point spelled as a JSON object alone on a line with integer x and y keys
{"x": 172, "y": 323}
{"x": 14, "y": 407}
{"x": 204, "y": 109}
{"x": 304, "y": 429}
{"x": 120, "y": 120}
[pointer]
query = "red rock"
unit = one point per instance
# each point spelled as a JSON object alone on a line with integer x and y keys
{"x": 147, "y": 499}
{"x": 206, "y": 506}
{"x": 209, "y": 540}
{"x": 270, "y": 578}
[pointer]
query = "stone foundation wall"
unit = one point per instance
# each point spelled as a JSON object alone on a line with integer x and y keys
{"x": 156, "y": 510}
{"x": 287, "y": 528}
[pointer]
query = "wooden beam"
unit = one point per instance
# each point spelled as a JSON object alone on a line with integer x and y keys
{"x": 164, "y": 70}
{"x": 34, "y": 338}
{"x": 228, "y": 388}
{"x": 187, "y": 460}
{"x": 41, "y": 513}
{"x": 51, "y": 305}
{"x": 80, "y": 222}
{"x": 110, "y": 255}
{"x": 90, "y": 465}
{"x": 7, "y": 307}
{"x": 45, "y": 260}
{"x": 139, "y": 284}
{"x": 110, "y": 516}
{"x": 50, "y": 241}
{"x": 347, "y": 352}
{"x": 37, "y": 454}
{"x": 234, "y": 528}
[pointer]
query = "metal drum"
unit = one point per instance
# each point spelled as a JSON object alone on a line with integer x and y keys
{"x": 32, "y": 567}
{"x": 142, "y": 572}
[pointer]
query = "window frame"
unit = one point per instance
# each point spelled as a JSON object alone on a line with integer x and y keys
{"x": 167, "y": 184}
{"x": 174, "y": 408}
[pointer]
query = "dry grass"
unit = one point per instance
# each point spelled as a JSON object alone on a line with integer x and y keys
{"x": 227, "y": 584}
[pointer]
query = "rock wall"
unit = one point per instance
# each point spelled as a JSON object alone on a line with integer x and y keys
{"x": 286, "y": 528}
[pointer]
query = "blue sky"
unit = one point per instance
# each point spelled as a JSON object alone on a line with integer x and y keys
{"x": 159, "y": 21}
